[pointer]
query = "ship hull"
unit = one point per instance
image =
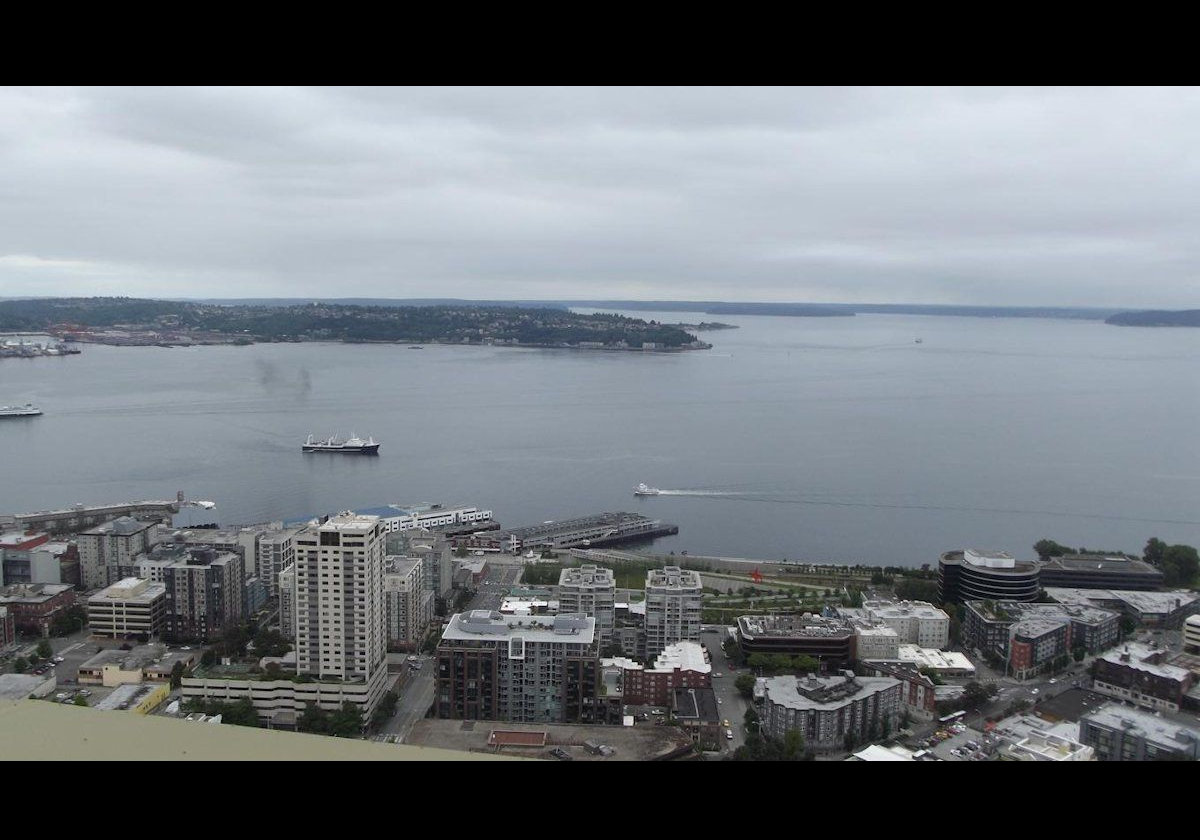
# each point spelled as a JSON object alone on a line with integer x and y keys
{"x": 343, "y": 450}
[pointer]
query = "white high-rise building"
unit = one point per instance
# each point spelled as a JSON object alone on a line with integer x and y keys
{"x": 673, "y": 608}
{"x": 341, "y": 630}
{"x": 276, "y": 550}
{"x": 591, "y": 590}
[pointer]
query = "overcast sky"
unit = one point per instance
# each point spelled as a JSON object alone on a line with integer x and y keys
{"x": 984, "y": 196}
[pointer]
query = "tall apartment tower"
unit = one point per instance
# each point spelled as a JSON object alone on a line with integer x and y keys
{"x": 204, "y": 594}
{"x": 407, "y": 604}
{"x": 341, "y": 630}
{"x": 672, "y": 608}
{"x": 287, "y": 602}
{"x": 591, "y": 590}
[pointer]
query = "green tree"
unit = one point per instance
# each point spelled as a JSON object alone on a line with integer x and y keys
{"x": 1180, "y": 564}
{"x": 346, "y": 722}
{"x": 1080, "y": 654}
{"x": 177, "y": 675}
{"x": 313, "y": 719}
{"x": 21, "y": 665}
{"x": 917, "y": 589}
{"x": 745, "y": 685}
{"x": 793, "y": 745}
{"x": 1154, "y": 551}
{"x": 208, "y": 658}
{"x": 461, "y": 551}
{"x": 44, "y": 650}
{"x": 1049, "y": 548}
{"x": 80, "y": 700}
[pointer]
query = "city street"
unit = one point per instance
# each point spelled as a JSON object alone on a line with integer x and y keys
{"x": 732, "y": 705}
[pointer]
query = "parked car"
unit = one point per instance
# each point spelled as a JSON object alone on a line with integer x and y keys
{"x": 561, "y": 754}
{"x": 728, "y": 734}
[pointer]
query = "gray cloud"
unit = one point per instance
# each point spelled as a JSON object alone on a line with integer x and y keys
{"x": 1021, "y": 196}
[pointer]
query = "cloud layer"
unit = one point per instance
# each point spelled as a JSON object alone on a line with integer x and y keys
{"x": 983, "y": 196}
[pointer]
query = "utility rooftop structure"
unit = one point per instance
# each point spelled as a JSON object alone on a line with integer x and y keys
{"x": 974, "y": 574}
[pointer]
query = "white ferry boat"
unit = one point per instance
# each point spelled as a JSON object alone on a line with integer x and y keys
{"x": 354, "y": 445}
{"x": 27, "y": 410}
{"x": 643, "y": 490}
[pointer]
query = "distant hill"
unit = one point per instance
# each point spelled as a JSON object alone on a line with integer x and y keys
{"x": 1156, "y": 318}
{"x": 709, "y": 307}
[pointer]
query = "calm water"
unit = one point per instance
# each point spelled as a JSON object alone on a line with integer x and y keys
{"x": 818, "y": 438}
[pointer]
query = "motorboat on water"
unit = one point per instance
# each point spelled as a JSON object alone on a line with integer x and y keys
{"x": 27, "y": 410}
{"x": 354, "y": 445}
{"x": 644, "y": 490}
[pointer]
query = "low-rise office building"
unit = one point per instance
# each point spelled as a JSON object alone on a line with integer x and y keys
{"x": 136, "y": 698}
{"x": 831, "y": 713}
{"x": 682, "y": 665}
{"x": 1038, "y": 644}
{"x": 129, "y": 607}
{"x": 944, "y": 663}
{"x": 696, "y": 712}
{"x": 1149, "y": 609}
{"x": 1045, "y": 746}
{"x": 29, "y": 557}
{"x": 1119, "y": 733}
{"x": 1099, "y": 571}
{"x": 34, "y": 606}
{"x": 875, "y": 641}
{"x": 918, "y": 694}
{"x": 828, "y": 640}
{"x": 915, "y": 622}
{"x": 988, "y": 626}
{"x": 1191, "y": 634}
{"x": 1140, "y": 674}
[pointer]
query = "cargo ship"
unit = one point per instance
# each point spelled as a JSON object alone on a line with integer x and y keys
{"x": 354, "y": 445}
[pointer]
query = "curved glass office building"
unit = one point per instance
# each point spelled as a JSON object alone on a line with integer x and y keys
{"x": 973, "y": 575}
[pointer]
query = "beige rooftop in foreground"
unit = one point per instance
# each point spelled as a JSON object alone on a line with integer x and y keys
{"x": 37, "y": 730}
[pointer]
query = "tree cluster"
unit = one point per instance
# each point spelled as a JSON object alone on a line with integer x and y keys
{"x": 1179, "y": 563}
{"x": 346, "y": 722}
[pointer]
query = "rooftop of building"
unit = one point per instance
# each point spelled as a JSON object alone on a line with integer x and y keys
{"x": 587, "y": 575}
{"x": 672, "y": 577}
{"x": 1144, "y": 602}
{"x": 878, "y": 752}
{"x": 124, "y": 696}
{"x": 394, "y": 564}
{"x": 1113, "y": 564}
{"x": 938, "y": 660}
{"x": 868, "y": 629}
{"x": 1144, "y": 724}
{"x": 32, "y": 592}
{"x": 351, "y": 522}
{"x": 1016, "y": 727}
{"x": 129, "y": 589}
{"x": 1145, "y": 658}
{"x": 129, "y": 660}
{"x": 904, "y": 609}
{"x": 37, "y": 730}
{"x": 1192, "y": 621}
{"x": 574, "y": 628}
{"x": 686, "y": 656}
{"x": 121, "y": 526}
{"x": 1018, "y": 611}
{"x": 793, "y": 626}
{"x": 19, "y": 686}
{"x": 994, "y": 562}
{"x": 11, "y": 539}
{"x": 1034, "y": 627}
{"x": 696, "y": 705}
{"x": 1045, "y": 746}
{"x": 812, "y": 692}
